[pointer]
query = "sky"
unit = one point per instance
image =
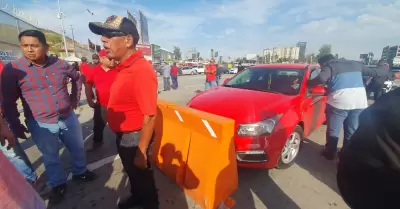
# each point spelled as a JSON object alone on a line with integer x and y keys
{"x": 238, "y": 27}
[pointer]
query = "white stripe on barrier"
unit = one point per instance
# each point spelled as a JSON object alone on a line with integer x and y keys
{"x": 179, "y": 115}
{"x": 212, "y": 133}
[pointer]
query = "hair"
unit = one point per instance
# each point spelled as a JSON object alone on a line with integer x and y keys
{"x": 95, "y": 56}
{"x": 326, "y": 58}
{"x": 381, "y": 62}
{"x": 84, "y": 59}
{"x": 33, "y": 33}
{"x": 174, "y": 63}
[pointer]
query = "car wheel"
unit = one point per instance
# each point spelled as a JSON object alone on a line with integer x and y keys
{"x": 291, "y": 149}
{"x": 192, "y": 73}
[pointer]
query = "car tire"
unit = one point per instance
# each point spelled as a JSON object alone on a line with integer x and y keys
{"x": 192, "y": 73}
{"x": 291, "y": 149}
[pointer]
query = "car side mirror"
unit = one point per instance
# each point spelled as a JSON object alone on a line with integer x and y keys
{"x": 226, "y": 81}
{"x": 318, "y": 90}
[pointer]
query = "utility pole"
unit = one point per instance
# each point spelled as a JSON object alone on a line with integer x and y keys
{"x": 94, "y": 37}
{"x": 61, "y": 17}
{"x": 73, "y": 39}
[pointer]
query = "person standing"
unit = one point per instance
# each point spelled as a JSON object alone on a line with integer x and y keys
{"x": 167, "y": 76}
{"x": 174, "y": 75}
{"x": 219, "y": 74}
{"x": 240, "y": 67}
{"x": 211, "y": 75}
{"x": 376, "y": 84}
{"x": 84, "y": 68}
{"x": 14, "y": 152}
{"x": 132, "y": 108}
{"x": 96, "y": 60}
{"x": 102, "y": 76}
{"x": 345, "y": 101}
{"x": 48, "y": 108}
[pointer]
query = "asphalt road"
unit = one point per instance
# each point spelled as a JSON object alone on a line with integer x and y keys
{"x": 310, "y": 183}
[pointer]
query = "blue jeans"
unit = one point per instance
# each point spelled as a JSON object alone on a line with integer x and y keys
{"x": 210, "y": 84}
{"x": 336, "y": 119}
{"x": 46, "y": 137}
{"x": 174, "y": 82}
{"x": 17, "y": 156}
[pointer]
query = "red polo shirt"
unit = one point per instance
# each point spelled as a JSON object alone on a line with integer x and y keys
{"x": 102, "y": 80}
{"x": 133, "y": 94}
{"x": 211, "y": 72}
{"x": 84, "y": 68}
{"x": 174, "y": 70}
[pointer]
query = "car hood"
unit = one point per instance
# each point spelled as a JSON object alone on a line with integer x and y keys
{"x": 244, "y": 106}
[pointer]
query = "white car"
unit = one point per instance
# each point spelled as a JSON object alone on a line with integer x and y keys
{"x": 189, "y": 71}
{"x": 233, "y": 70}
{"x": 199, "y": 69}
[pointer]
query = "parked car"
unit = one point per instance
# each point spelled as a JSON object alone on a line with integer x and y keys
{"x": 199, "y": 69}
{"x": 189, "y": 71}
{"x": 273, "y": 111}
{"x": 222, "y": 70}
{"x": 233, "y": 70}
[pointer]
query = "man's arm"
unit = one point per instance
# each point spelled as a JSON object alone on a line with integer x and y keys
{"x": 322, "y": 77}
{"x": 146, "y": 94}
{"x": 370, "y": 72}
{"x": 10, "y": 92}
{"x": 76, "y": 81}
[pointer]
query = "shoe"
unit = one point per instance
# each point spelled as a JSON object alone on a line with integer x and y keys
{"x": 130, "y": 203}
{"x": 328, "y": 155}
{"x": 57, "y": 194}
{"x": 95, "y": 146}
{"x": 87, "y": 176}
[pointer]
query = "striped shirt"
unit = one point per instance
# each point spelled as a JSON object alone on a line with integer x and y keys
{"x": 43, "y": 90}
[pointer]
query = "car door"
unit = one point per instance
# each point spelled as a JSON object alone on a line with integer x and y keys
{"x": 313, "y": 107}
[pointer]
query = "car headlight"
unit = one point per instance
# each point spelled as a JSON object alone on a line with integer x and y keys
{"x": 264, "y": 127}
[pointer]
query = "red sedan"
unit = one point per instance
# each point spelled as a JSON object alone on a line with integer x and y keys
{"x": 273, "y": 110}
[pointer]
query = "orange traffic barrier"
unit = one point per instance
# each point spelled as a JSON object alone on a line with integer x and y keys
{"x": 196, "y": 149}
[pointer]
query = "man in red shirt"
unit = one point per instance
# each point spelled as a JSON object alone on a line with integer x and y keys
{"x": 84, "y": 68}
{"x": 101, "y": 77}
{"x": 132, "y": 108}
{"x": 174, "y": 76}
{"x": 211, "y": 75}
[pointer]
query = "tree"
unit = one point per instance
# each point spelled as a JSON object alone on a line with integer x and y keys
{"x": 325, "y": 49}
{"x": 177, "y": 53}
{"x": 310, "y": 58}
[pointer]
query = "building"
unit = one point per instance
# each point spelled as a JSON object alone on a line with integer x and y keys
{"x": 367, "y": 58}
{"x": 391, "y": 54}
{"x": 302, "y": 51}
{"x": 143, "y": 28}
{"x": 267, "y": 55}
{"x": 290, "y": 53}
{"x": 192, "y": 54}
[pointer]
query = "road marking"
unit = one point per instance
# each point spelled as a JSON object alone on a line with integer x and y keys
{"x": 98, "y": 164}
{"x": 179, "y": 115}
{"x": 210, "y": 130}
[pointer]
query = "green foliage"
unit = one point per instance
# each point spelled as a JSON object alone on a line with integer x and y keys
{"x": 325, "y": 49}
{"x": 177, "y": 53}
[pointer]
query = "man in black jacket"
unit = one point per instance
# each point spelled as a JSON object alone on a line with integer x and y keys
{"x": 377, "y": 83}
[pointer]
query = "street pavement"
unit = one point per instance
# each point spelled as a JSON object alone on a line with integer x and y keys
{"x": 310, "y": 183}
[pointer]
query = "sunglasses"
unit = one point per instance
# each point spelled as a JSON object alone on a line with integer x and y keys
{"x": 114, "y": 34}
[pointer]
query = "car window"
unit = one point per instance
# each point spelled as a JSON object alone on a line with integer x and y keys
{"x": 314, "y": 73}
{"x": 285, "y": 81}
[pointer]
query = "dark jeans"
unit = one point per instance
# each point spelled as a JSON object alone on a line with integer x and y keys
{"x": 174, "y": 82}
{"x": 377, "y": 93}
{"x": 167, "y": 84}
{"x": 336, "y": 119}
{"x": 143, "y": 187}
{"x": 99, "y": 120}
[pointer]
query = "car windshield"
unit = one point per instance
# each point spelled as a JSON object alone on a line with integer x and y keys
{"x": 276, "y": 80}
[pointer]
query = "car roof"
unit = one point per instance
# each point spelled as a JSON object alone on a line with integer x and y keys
{"x": 282, "y": 65}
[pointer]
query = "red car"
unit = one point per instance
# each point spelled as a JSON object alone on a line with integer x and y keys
{"x": 273, "y": 110}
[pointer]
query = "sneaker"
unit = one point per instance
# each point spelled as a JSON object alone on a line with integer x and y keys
{"x": 87, "y": 176}
{"x": 130, "y": 203}
{"x": 57, "y": 194}
{"x": 328, "y": 155}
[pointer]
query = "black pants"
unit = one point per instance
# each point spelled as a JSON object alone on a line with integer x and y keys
{"x": 143, "y": 187}
{"x": 377, "y": 93}
{"x": 99, "y": 119}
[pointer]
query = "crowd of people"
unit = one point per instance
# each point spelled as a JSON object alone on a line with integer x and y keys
{"x": 121, "y": 87}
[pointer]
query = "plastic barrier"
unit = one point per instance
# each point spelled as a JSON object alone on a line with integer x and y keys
{"x": 15, "y": 192}
{"x": 196, "y": 150}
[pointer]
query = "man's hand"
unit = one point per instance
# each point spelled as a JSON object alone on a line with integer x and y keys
{"x": 91, "y": 104}
{"x": 141, "y": 159}
{"x": 7, "y": 135}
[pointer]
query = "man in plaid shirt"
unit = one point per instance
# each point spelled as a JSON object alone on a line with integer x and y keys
{"x": 40, "y": 81}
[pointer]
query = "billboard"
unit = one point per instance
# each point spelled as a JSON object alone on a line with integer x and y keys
{"x": 145, "y": 48}
{"x": 143, "y": 29}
